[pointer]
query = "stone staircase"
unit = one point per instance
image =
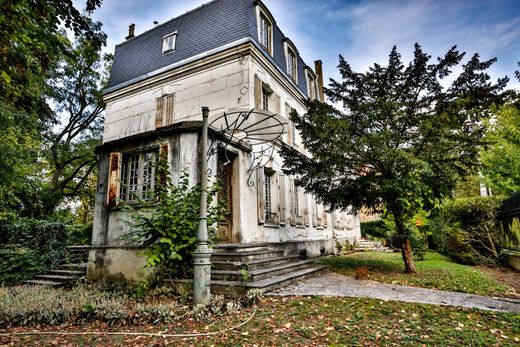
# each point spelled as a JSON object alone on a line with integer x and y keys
{"x": 256, "y": 266}
{"x": 74, "y": 267}
{"x": 366, "y": 245}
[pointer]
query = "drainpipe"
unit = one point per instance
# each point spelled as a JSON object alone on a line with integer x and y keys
{"x": 202, "y": 255}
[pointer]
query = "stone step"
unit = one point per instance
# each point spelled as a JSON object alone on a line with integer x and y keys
{"x": 267, "y": 284}
{"x": 75, "y": 266}
{"x": 67, "y": 273}
{"x": 262, "y": 273}
{"x": 240, "y": 247}
{"x": 253, "y": 264}
{"x": 245, "y": 256}
{"x": 43, "y": 283}
{"x": 56, "y": 278}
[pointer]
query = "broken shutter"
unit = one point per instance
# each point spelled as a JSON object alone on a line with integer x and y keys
{"x": 281, "y": 198}
{"x": 292, "y": 193}
{"x": 260, "y": 184}
{"x": 114, "y": 174}
{"x": 159, "y": 110}
{"x": 169, "y": 109}
{"x": 258, "y": 93}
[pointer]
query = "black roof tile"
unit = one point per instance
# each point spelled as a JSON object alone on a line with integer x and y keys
{"x": 208, "y": 27}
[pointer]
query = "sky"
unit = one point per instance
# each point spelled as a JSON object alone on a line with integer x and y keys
{"x": 362, "y": 31}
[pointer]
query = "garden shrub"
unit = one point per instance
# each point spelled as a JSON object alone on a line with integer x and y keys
{"x": 30, "y": 246}
{"x": 466, "y": 229}
{"x": 79, "y": 234}
{"x": 168, "y": 229}
{"x": 376, "y": 228}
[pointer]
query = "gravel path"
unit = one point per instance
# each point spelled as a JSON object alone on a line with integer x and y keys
{"x": 332, "y": 284}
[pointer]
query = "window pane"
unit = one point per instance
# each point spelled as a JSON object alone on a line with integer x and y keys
{"x": 148, "y": 175}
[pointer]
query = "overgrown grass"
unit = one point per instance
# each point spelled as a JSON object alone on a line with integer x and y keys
{"x": 317, "y": 321}
{"x": 29, "y": 306}
{"x": 436, "y": 271}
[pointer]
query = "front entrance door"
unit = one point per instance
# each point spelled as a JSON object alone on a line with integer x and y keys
{"x": 225, "y": 164}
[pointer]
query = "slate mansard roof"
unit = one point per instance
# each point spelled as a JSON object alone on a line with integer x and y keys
{"x": 206, "y": 28}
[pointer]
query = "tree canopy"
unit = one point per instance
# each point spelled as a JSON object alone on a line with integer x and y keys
{"x": 502, "y": 159}
{"x": 404, "y": 136}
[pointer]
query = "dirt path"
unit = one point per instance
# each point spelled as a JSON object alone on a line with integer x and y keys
{"x": 332, "y": 284}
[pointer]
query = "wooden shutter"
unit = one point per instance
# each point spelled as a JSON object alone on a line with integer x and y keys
{"x": 277, "y": 104}
{"x": 289, "y": 124}
{"x": 258, "y": 93}
{"x": 306, "y": 210}
{"x": 281, "y": 198}
{"x": 169, "y": 109}
{"x": 163, "y": 155}
{"x": 325, "y": 216}
{"x": 292, "y": 220}
{"x": 260, "y": 184}
{"x": 114, "y": 174}
{"x": 159, "y": 108}
{"x": 314, "y": 212}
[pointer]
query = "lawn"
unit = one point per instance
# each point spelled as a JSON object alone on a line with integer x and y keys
{"x": 310, "y": 321}
{"x": 436, "y": 271}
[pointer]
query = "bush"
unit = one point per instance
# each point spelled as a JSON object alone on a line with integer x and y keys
{"x": 466, "y": 229}
{"x": 376, "y": 228}
{"x": 31, "y": 246}
{"x": 79, "y": 234}
{"x": 168, "y": 229}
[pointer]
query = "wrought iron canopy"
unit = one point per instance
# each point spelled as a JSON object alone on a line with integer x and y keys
{"x": 258, "y": 128}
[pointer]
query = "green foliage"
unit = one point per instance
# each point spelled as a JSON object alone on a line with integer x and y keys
{"x": 375, "y": 228}
{"x": 403, "y": 138}
{"x": 502, "y": 159}
{"x": 79, "y": 234}
{"x": 168, "y": 229}
{"x": 466, "y": 229}
{"x": 18, "y": 264}
{"x": 31, "y": 246}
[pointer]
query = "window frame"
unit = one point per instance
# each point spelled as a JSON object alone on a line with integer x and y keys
{"x": 265, "y": 38}
{"x": 292, "y": 64}
{"x": 140, "y": 177}
{"x": 165, "y": 46}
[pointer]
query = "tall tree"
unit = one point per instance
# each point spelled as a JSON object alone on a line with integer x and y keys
{"x": 75, "y": 87}
{"x": 401, "y": 140}
{"x": 30, "y": 43}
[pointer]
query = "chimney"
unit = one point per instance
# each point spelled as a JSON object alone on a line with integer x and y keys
{"x": 131, "y": 31}
{"x": 318, "y": 68}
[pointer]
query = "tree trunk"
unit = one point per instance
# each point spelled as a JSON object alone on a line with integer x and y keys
{"x": 406, "y": 247}
{"x": 406, "y": 251}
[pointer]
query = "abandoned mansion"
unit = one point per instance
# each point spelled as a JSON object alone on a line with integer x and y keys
{"x": 229, "y": 56}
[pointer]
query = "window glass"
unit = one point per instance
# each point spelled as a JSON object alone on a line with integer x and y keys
{"x": 291, "y": 64}
{"x": 265, "y": 33}
{"x": 138, "y": 176}
{"x": 268, "y": 200}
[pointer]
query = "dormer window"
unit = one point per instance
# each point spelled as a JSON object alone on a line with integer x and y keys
{"x": 169, "y": 42}
{"x": 265, "y": 33}
{"x": 311, "y": 86}
{"x": 291, "y": 63}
